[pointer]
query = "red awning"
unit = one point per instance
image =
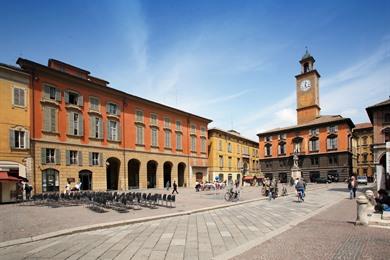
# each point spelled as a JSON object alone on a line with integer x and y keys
{"x": 4, "y": 177}
{"x": 248, "y": 178}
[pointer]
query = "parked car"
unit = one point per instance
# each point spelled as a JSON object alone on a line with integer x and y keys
{"x": 362, "y": 180}
{"x": 333, "y": 177}
{"x": 322, "y": 180}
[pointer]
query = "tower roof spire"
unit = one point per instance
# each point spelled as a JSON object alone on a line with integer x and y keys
{"x": 306, "y": 55}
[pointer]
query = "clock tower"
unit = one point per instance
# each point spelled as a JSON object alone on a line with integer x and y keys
{"x": 308, "y": 100}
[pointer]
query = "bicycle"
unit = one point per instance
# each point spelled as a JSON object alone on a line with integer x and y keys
{"x": 300, "y": 196}
{"x": 232, "y": 196}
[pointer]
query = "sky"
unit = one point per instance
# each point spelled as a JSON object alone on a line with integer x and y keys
{"x": 231, "y": 61}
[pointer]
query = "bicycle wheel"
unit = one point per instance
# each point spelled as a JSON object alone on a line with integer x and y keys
{"x": 228, "y": 196}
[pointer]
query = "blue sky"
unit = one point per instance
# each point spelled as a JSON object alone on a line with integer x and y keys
{"x": 231, "y": 61}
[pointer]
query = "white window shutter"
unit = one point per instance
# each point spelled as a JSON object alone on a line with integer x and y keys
{"x": 101, "y": 159}
{"x": 92, "y": 126}
{"x": 67, "y": 157}
{"x": 46, "y": 92}
{"x": 58, "y": 95}
{"x": 80, "y": 101}
{"x": 66, "y": 96}
{"x": 27, "y": 141}
{"x": 81, "y": 125}
{"x": 58, "y": 156}
{"x": 118, "y": 131}
{"x": 80, "y": 157}
{"x": 109, "y": 135}
{"x": 101, "y": 128}
{"x": 43, "y": 155}
{"x": 21, "y": 97}
{"x": 53, "y": 119}
{"x": 90, "y": 158}
{"x": 118, "y": 110}
{"x": 46, "y": 119}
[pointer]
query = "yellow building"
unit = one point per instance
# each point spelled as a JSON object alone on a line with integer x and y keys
{"x": 232, "y": 157}
{"x": 15, "y": 158}
{"x": 364, "y": 136}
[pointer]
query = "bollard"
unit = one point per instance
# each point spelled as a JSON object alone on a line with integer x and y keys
{"x": 362, "y": 217}
{"x": 371, "y": 202}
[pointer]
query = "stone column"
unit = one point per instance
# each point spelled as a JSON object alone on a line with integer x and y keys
{"x": 362, "y": 217}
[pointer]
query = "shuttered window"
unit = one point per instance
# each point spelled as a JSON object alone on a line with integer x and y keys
{"x": 140, "y": 134}
{"x": 179, "y": 141}
{"x": 113, "y": 130}
{"x": 51, "y": 93}
{"x": 73, "y": 98}
{"x": 75, "y": 124}
{"x": 50, "y": 155}
{"x": 50, "y": 119}
{"x": 94, "y": 104}
{"x": 96, "y": 127}
{"x": 74, "y": 157}
{"x": 154, "y": 137}
{"x": 112, "y": 109}
{"x": 203, "y": 145}
{"x": 95, "y": 159}
{"x": 193, "y": 143}
{"x": 167, "y": 138}
{"x": 19, "y": 97}
{"x": 19, "y": 139}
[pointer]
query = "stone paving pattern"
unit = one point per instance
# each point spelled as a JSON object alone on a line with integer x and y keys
{"x": 329, "y": 235}
{"x": 197, "y": 236}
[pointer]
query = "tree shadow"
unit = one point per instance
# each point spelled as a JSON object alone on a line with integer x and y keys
{"x": 339, "y": 189}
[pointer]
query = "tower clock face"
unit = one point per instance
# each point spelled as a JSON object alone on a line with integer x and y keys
{"x": 305, "y": 85}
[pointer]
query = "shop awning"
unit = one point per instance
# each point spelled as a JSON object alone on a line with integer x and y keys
{"x": 4, "y": 177}
{"x": 248, "y": 178}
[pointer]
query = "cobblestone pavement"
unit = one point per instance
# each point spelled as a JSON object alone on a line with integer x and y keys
{"x": 20, "y": 221}
{"x": 329, "y": 235}
{"x": 197, "y": 236}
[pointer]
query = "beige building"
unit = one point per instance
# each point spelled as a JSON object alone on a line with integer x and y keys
{"x": 363, "y": 139}
{"x": 15, "y": 159}
{"x": 232, "y": 157}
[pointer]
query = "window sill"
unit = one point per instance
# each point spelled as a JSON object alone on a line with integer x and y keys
{"x": 178, "y": 131}
{"x": 316, "y": 151}
{"x": 71, "y": 106}
{"x": 94, "y": 112}
{"x": 76, "y": 136}
{"x": 113, "y": 116}
{"x": 179, "y": 149}
{"x": 19, "y": 106}
{"x": 96, "y": 138}
{"x": 154, "y": 126}
{"x": 139, "y": 123}
{"x": 193, "y": 134}
{"x": 50, "y": 102}
{"x": 267, "y": 155}
{"x": 332, "y": 149}
{"x": 113, "y": 141}
{"x": 155, "y": 146}
{"x": 168, "y": 148}
{"x": 50, "y": 132}
{"x": 167, "y": 128}
{"x": 19, "y": 149}
{"x": 140, "y": 145}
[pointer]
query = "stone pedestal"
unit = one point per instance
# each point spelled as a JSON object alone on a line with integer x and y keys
{"x": 296, "y": 173}
{"x": 362, "y": 214}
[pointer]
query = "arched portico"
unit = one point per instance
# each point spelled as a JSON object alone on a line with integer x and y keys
{"x": 112, "y": 173}
{"x": 133, "y": 167}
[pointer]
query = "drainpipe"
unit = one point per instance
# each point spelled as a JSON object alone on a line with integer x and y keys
{"x": 124, "y": 147}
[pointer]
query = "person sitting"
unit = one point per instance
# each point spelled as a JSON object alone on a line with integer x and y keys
{"x": 383, "y": 201}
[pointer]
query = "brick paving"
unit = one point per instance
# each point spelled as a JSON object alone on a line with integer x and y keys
{"x": 329, "y": 235}
{"x": 197, "y": 236}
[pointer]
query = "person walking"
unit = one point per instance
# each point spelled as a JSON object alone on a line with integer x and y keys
{"x": 175, "y": 187}
{"x": 352, "y": 188}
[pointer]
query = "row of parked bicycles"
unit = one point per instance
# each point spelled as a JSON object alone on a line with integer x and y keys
{"x": 103, "y": 201}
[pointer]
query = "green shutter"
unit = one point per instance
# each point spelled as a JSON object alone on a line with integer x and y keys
{"x": 101, "y": 159}
{"x": 108, "y": 131}
{"x": 43, "y": 155}
{"x": 21, "y": 97}
{"x": 90, "y": 158}
{"x": 81, "y": 125}
{"x": 118, "y": 110}
{"x": 16, "y": 96}
{"x": 119, "y": 131}
{"x": 66, "y": 96}
{"x": 101, "y": 128}
{"x": 46, "y": 92}
{"x": 46, "y": 119}
{"x": 92, "y": 126}
{"x": 53, "y": 119}
{"x": 58, "y": 95}
{"x": 67, "y": 157}
{"x": 80, "y": 101}
{"x": 12, "y": 138}
{"x": 80, "y": 155}
{"x": 27, "y": 136}
{"x": 70, "y": 123}
{"x": 58, "y": 156}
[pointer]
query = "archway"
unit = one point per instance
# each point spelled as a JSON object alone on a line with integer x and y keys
{"x": 133, "y": 174}
{"x": 112, "y": 173}
{"x": 180, "y": 174}
{"x": 85, "y": 177}
{"x": 151, "y": 174}
{"x": 167, "y": 173}
{"x": 382, "y": 162}
{"x": 50, "y": 180}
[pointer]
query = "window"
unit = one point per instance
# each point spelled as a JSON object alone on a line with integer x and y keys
{"x": 113, "y": 130}
{"x": 112, "y": 109}
{"x": 238, "y": 148}
{"x": 139, "y": 116}
{"x": 50, "y": 119}
{"x": 282, "y": 148}
{"x": 297, "y": 147}
{"x": 333, "y": 159}
{"x": 282, "y": 136}
{"x": 203, "y": 131}
{"x": 73, "y": 158}
{"x": 73, "y": 98}
{"x": 364, "y": 140}
{"x": 386, "y": 118}
{"x": 230, "y": 162}
{"x": 167, "y": 139}
{"x": 203, "y": 144}
{"x": 19, "y": 139}
{"x": 193, "y": 143}
{"x": 238, "y": 163}
{"x": 178, "y": 125}
{"x": 167, "y": 122}
{"x": 332, "y": 143}
{"x": 314, "y": 161}
{"x": 19, "y": 97}
{"x": 95, "y": 159}
{"x": 75, "y": 124}
{"x": 332, "y": 129}
{"x": 140, "y": 135}
{"x": 50, "y": 155}
{"x": 268, "y": 138}
{"x": 96, "y": 129}
{"x": 154, "y": 137}
{"x": 313, "y": 145}
{"x": 179, "y": 142}
{"x": 50, "y": 180}
{"x": 220, "y": 145}
{"x": 221, "y": 161}
{"x": 153, "y": 119}
{"x": 94, "y": 104}
{"x": 229, "y": 147}
{"x": 365, "y": 156}
{"x": 314, "y": 131}
{"x": 268, "y": 150}
{"x": 193, "y": 129}
{"x": 51, "y": 93}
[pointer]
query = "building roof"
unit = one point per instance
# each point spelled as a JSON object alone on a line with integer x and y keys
{"x": 306, "y": 55}
{"x": 321, "y": 120}
{"x": 11, "y": 67}
{"x": 28, "y": 63}
{"x": 232, "y": 133}
{"x": 363, "y": 126}
{"x": 379, "y": 105}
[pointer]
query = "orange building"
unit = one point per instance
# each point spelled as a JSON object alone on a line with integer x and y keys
{"x": 322, "y": 143}
{"x": 82, "y": 129}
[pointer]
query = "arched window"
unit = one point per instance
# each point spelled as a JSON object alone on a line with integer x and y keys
{"x": 282, "y": 148}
